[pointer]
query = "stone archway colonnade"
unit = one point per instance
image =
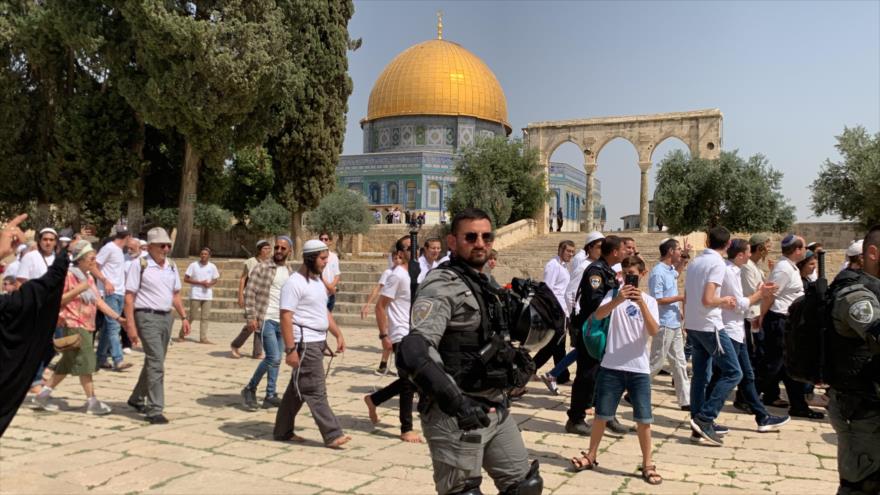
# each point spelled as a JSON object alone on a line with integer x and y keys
{"x": 700, "y": 130}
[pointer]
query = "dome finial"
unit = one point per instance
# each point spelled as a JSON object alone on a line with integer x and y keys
{"x": 439, "y": 24}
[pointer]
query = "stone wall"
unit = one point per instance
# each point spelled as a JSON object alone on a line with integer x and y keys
{"x": 832, "y": 235}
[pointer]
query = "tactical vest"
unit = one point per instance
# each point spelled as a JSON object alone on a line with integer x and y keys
{"x": 484, "y": 359}
{"x": 852, "y": 367}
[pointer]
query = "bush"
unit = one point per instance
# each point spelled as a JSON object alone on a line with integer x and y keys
{"x": 161, "y": 217}
{"x": 212, "y": 217}
{"x": 269, "y": 218}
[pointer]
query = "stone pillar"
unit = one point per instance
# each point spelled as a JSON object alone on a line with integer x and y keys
{"x": 544, "y": 211}
{"x": 590, "y": 170}
{"x": 645, "y": 166}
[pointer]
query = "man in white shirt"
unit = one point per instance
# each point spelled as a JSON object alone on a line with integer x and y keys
{"x": 734, "y": 325}
{"x": 557, "y": 277}
{"x": 774, "y": 315}
{"x": 111, "y": 281}
{"x": 625, "y": 367}
{"x": 331, "y": 273}
{"x": 712, "y": 345}
{"x": 203, "y": 276}
{"x": 36, "y": 263}
{"x": 152, "y": 289}
{"x": 585, "y": 255}
{"x": 305, "y": 322}
{"x": 262, "y": 310}
{"x": 12, "y": 268}
{"x": 752, "y": 277}
{"x": 392, "y": 317}
{"x": 429, "y": 260}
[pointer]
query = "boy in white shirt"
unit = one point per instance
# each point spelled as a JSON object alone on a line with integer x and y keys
{"x": 625, "y": 366}
{"x": 202, "y": 275}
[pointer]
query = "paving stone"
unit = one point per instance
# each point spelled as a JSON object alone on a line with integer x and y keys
{"x": 143, "y": 478}
{"x": 328, "y": 478}
{"x": 98, "y": 476}
{"x": 212, "y": 482}
{"x": 802, "y": 486}
{"x": 36, "y": 483}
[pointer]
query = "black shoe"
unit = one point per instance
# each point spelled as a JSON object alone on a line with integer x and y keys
{"x": 696, "y": 437}
{"x": 686, "y": 408}
{"x": 137, "y": 407}
{"x": 615, "y": 427}
{"x": 157, "y": 420}
{"x": 806, "y": 413}
{"x": 664, "y": 373}
{"x": 721, "y": 430}
{"x": 705, "y": 430}
{"x": 250, "y": 399}
{"x": 580, "y": 428}
{"x": 744, "y": 407}
{"x": 270, "y": 402}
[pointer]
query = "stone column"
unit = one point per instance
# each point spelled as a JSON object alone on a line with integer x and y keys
{"x": 544, "y": 212}
{"x": 645, "y": 166}
{"x": 590, "y": 170}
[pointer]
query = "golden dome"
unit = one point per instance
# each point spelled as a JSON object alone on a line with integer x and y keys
{"x": 438, "y": 77}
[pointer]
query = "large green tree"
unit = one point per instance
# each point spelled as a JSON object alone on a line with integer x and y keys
{"x": 851, "y": 188}
{"x": 694, "y": 194}
{"x": 218, "y": 73}
{"x": 305, "y": 153}
{"x": 500, "y": 176}
{"x": 342, "y": 213}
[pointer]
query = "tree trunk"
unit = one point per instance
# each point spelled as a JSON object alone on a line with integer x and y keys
{"x": 340, "y": 247}
{"x": 186, "y": 204}
{"x": 136, "y": 203}
{"x": 297, "y": 232}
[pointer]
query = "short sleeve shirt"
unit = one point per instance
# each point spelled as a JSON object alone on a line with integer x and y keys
{"x": 706, "y": 268}
{"x": 397, "y": 289}
{"x": 663, "y": 282}
{"x": 273, "y": 308}
{"x": 627, "y": 345}
{"x": 751, "y": 276}
{"x": 249, "y": 265}
{"x": 733, "y": 318}
{"x": 202, "y": 273}
{"x": 111, "y": 261}
{"x": 787, "y": 278}
{"x": 159, "y": 285}
{"x": 34, "y": 265}
{"x": 77, "y": 313}
{"x": 383, "y": 279}
{"x": 332, "y": 269}
{"x": 307, "y": 299}
{"x": 557, "y": 277}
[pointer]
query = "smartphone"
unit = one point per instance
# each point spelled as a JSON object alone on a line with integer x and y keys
{"x": 631, "y": 280}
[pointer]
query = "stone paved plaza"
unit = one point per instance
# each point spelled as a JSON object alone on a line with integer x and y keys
{"x": 214, "y": 446}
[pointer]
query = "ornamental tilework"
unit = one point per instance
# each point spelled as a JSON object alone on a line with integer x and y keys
{"x": 420, "y": 135}
{"x": 384, "y": 137}
{"x": 407, "y": 137}
{"x": 436, "y": 136}
{"x": 395, "y": 136}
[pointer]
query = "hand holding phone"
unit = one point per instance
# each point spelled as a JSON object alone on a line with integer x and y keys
{"x": 630, "y": 279}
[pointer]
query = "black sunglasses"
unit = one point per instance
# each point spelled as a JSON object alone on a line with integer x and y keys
{"x": 487, "y": 237}
{"x": 324, "y": 239}
{"x": 281, "y": 248}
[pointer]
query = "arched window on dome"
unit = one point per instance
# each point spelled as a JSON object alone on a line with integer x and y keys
{"x": 433, "y": 195}
{"x": 392, "y": 192}
{"x": 411, "y": 194}
{"x": 375, "y": 193}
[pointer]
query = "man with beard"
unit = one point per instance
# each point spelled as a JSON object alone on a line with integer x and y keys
{"x": 305, "y": 322}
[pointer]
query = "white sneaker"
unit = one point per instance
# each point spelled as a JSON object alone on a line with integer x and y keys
{"x": 98, "y": 408}
{"x": 550, "y": 382}
{"x": 44, "y": 403}
{"x": 126, "y": 350}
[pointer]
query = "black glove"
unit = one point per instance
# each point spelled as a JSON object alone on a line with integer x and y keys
{"x": 472, "y": 415}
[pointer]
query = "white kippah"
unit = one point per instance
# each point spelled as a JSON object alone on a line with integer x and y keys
{"x": 314, "y": 246}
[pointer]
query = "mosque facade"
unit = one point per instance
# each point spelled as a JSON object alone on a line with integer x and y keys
{"x": 430, "y": 101}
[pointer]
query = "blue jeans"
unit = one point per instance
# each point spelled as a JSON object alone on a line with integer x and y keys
{"x": 706, "y": 404}
{"x": 610, "y": 386}
{"x": 108, "y": 342}
{"x": 747, "y": 385}
{"x": 273, "y": 344}
{"x": 563, "y": 365}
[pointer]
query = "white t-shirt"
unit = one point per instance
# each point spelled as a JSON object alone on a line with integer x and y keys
{"x": 733, "y": 318}
{"x": 34, "y": 265}
{"x": 397, "y": 288}
{"x": 202, "y": 273}
{"x": 627, "y": 345}
{"x": 579, "y": 257}
{"x": 706, "y": 268}
{"x": 751, "y": 277}
{"x": 787, "y": 278}
{"x": 425, "y": 267}
{"x": 577, "y": 275}
{"x": 383, "y": 279}
{"x": 307, "y": 299}
{"x": 331, "y": 270}
{"x": 274, "y": 305}
{"x": 557, "y": 277}
{"x": 12, "y": 269}
{"x": 111, "y": 261}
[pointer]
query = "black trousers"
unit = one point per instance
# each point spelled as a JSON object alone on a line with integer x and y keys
{"x": 406, "y": 390}
{"x": 555, "y": 349}
{"x": 770, "y": 350}
{"x": 583, "y": 389}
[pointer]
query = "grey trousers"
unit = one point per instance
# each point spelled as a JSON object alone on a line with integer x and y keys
{"x": 498, "y": 448}
{"x": 857, "y": 424}
{"x": 307, "y": 386}
{"x": 669, "y": 344}
{"x": 242, "y": 337}
{"x": 155, "y": 334}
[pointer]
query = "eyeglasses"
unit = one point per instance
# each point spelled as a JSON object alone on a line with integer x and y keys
{"x": 487, "y": 237}
{"x": 280, "y": 248}
{"x": 165, "y": 246}
{"x": 324, "y": 239}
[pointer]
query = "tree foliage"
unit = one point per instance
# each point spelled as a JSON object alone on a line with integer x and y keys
{"x": 341, "y": 213}
{"x": 851, "y": 188}
{"x": 162, "y": 217}
{"x": 269, "y": 218}
{"x": 212, "y": 217}
{"x": 694, "y": 194}
{"x": 502, "y": 177}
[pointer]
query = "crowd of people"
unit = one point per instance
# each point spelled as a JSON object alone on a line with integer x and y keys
{"x": 393, "y": 215}
{"x": 625, "y": 322}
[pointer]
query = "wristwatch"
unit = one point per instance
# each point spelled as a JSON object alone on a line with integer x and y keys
{"x": 288, "y": 350}
{"x": 382, "y": 336}
{"x": 185, "y": 318}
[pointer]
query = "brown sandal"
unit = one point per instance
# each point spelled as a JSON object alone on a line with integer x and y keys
{"x": 583, "y": 463}
{"x": 650, "y": 475}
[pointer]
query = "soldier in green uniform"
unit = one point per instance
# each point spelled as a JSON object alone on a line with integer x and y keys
{"x": 854, "y": 371}
{"x": 450, "y": 354}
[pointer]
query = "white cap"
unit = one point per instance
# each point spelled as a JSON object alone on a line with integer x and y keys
{"x": 21, "y": 248}
{"x": 855, "y": 248}
{"x": 157, "y": 235}
{"x": 142, "y": 242}
{"x": 594, "y": 236}
{"x": 47, "y": 230}
{"x": 314, "y": 246}
{"x": 64, "y": 239}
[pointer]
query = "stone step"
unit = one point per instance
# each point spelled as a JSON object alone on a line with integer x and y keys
{"x": 343, "y": 319}
{"x": 235, "y": 265}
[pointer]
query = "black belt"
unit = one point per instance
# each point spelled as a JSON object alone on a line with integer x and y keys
{"x": 153, "y": 311}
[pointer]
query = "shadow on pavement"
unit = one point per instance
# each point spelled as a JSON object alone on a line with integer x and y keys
{"x": 254, "y": 429}
{"x": 222, "y": 400}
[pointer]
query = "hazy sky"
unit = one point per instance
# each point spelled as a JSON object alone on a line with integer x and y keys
{"x": 788, "y": 76}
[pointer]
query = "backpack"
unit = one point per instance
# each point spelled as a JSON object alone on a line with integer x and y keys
{"x": 143, "y": 262}
{"x": 595, "y": 333}
{"x": 806, "y": 331}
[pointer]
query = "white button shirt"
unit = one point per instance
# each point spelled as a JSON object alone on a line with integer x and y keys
{"x": 557, "y": 277}
{"x": 425, "y": 267}
{"x": 579, "y": 257}
{"x": 787, "y": 278}
{"x": 733, "y": 318}
{"x": 751, "y": 277}
{"x": 706, "y": 268}
{"x": 159, "y": 286}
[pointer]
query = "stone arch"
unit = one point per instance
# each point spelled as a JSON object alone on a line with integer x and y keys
{"x": 700, "y": 130}
{"x": 668, "y": 136}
